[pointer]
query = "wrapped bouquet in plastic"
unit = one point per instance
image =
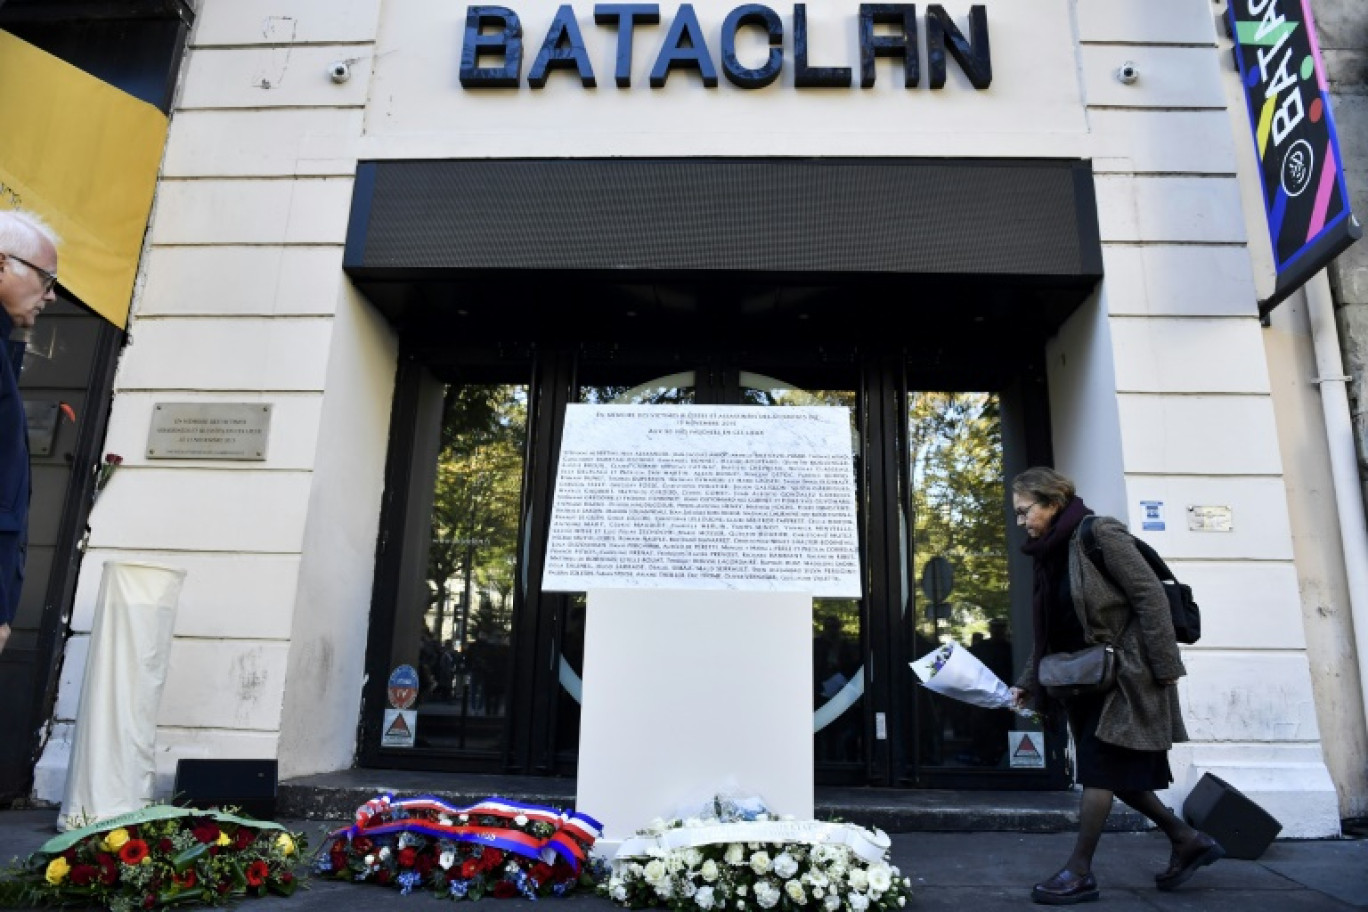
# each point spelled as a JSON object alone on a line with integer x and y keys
{"x": 955, "y": 672}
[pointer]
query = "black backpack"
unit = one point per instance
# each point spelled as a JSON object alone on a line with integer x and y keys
{"x": 1187, "y": 618}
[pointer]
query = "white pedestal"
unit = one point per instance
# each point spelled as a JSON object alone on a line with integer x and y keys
{"x": 686, "y": 692}
{"x": 112, "y": 770}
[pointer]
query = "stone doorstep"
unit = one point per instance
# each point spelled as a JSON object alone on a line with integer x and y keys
{"x": 336, "y": 796}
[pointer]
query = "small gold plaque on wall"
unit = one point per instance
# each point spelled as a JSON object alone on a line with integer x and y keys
{"x": 1210, "y": 519}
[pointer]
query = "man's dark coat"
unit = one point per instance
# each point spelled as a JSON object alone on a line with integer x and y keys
{"x": 14, "y": 473}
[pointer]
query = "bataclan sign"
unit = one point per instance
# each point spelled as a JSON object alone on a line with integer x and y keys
{"x": 495, "y": 33}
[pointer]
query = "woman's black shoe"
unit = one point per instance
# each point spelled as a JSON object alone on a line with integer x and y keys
{"x": 1065, "y": 889}
{"x": 1201, "y": 850}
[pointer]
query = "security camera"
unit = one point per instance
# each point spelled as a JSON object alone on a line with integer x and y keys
{"x": 1128, "y": 73}
{"x": 339, "y": 71}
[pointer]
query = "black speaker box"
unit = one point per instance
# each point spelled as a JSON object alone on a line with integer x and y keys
{"x": 1242, "y": 828}
{"x": 248, "y": 785}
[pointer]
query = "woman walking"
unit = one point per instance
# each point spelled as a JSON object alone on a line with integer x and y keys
{"x": 1122, "y": 737}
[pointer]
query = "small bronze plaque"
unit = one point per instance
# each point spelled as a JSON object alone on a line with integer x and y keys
{"x": 209, "y": 430}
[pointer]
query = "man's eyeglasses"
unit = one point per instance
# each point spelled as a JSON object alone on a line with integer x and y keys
{"x": 49, "y": 278}
{"x": 1022, "y": 512}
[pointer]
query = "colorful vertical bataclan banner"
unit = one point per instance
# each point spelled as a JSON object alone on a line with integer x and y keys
{"x": 1305, "y": 199}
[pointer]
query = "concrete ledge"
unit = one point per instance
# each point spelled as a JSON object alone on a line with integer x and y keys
{"x": 336, "y": 796}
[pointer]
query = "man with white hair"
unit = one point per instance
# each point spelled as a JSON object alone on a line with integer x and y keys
{"x": 28, "y": 271}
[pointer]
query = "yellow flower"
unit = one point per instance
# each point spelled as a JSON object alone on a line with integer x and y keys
{"x": 223, "y": 839}
{"x": 57, "y": 870}
{"x": 115, "y": 839}
{"x": 285, "y": 844}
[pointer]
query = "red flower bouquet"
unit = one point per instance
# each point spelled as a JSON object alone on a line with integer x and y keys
{"x": 159, "y": 856}
{"x": 495, "y": 848}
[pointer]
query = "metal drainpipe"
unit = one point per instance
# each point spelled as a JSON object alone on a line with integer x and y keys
{"x": 1339, "y": 434}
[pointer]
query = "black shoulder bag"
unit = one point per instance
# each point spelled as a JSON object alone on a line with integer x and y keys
{"x": 1187, "y": 618}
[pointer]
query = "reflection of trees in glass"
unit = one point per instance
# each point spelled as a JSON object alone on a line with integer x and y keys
{"x": 955, "y": 443}
{"x": 471, "y": 563}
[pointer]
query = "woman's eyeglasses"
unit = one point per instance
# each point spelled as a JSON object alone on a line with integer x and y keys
{"x": 1021, "y": 512}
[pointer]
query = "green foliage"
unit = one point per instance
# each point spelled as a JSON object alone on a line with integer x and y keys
{"x": 476, "y": 501}
{"x": 958, "y": 500}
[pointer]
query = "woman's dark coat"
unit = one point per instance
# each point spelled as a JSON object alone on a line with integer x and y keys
{"x": 1139, "y": 713}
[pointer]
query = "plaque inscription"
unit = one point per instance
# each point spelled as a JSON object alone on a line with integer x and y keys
{"x": 721, "y": 497}
{"x": 209, "y": 430}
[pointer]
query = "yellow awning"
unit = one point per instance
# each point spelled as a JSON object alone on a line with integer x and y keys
{"x": 83, "y": 155}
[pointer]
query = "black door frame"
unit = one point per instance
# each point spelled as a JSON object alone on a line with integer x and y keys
{"x": 552, "y": 370}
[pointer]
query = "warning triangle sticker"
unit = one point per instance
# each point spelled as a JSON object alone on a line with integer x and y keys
{"x": 399, "y": 728}
{"x": 1027, "y": 748}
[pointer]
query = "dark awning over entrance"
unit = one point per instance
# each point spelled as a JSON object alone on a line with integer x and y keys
{"x": 428, "y": 234}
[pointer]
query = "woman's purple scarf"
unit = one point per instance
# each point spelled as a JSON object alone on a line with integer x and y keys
{"x": 1051, "y": 554}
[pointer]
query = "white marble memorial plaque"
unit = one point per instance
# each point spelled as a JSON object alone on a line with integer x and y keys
{"x": 705, "y": 497}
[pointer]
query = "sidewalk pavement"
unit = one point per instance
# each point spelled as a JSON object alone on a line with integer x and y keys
{"x": 980, "y": 872}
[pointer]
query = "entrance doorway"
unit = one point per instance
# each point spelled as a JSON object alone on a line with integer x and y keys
{"x": 458, "y": 593}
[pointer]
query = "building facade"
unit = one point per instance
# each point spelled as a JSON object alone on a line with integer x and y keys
{"x": 416, "y": 231}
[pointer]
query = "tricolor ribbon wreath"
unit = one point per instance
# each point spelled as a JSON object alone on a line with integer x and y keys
{"x": 572, "y": 835}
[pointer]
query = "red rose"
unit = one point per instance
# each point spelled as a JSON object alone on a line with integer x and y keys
{"x": 540, "y": 872}
{"x": 493, "y": 857}
{"x": 504, "y": 890}
{"x": 286, "y": 877}
{"x": 256, "y": 873}
{"x": 206, "y": 831}
{"x": 382, "y": 876}
{"x": 186, "y": 879}
{"x": 469, "y": 868}
{"x": 362, "y": 845}
{"x": 165, "y": 846}
{"x": 133, "y": 851}
{"x": 70, "y": 855}
{"x": 83, "y": 875}
{"x": 243, "y": 838}
{"x": 426, "y": 862}
{"x": 407, "y": 856}
{"x": 109, "y": 869}
{"x": 149, "y": 901}
{"x": 223, "y": 888}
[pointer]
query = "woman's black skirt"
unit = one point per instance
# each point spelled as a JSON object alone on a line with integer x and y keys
{"x": 1103, "y": 765}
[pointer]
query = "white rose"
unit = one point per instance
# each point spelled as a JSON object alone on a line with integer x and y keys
{"x": 880, "y": 877}
{"x": 520, "y": 820}
{"x": 794, "y": 889}
{"x": 709, "y": 870}
{"x": 446, "y": 859}
{"x": 444, "y": 819}
{"x": 692, "y": 857}
{"x": 766, "y": 894}
{"x": 665, "y": 889}
{"x": 760, "y": 862}
{"x": 902, "y": 901}
{"x": 858, "y": 902}
{"x": 369, "y": 860}
{"x": 384, "y": 853}
{"x": 704, "y": 898}
{"x": 688, "y": 888}
{"x": 740, "y": 889}
{"x": 816, "y": 878}
{"x": 831, "y": 903}
{"x": 619, "y": 892}
{"x": 785, "y": 865}
{"x": 735, "y": 854}
{"x": 859, "y": 880}
{"x": 654, "y": 871}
